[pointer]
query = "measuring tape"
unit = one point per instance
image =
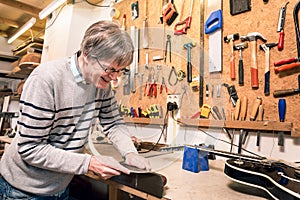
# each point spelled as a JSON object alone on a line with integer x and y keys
{"x": 181, "y": 75}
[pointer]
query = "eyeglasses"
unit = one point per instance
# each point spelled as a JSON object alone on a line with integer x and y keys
{"x": 112, "y": 70}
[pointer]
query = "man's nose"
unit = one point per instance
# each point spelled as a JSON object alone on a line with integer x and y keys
{"x": 113, "y": 76}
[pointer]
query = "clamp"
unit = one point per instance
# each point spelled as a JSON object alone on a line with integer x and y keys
{"x": 168, "y": 48}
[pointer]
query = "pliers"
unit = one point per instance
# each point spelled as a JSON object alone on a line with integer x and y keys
{"x": 163, "y": 84}
{"x": 153, "y": 86}
{"x": 168, "y": 48}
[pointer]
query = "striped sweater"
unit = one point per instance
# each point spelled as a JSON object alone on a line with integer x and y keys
{"x": 57, "y": 109}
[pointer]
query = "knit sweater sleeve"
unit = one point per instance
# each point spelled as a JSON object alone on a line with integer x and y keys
{"x": 114, "y": 126}
{"x": 37, "y": 114}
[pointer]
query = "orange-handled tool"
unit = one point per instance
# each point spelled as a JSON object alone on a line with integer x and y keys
{"x": 286, "y": 67}
{"x": 182, "y": 26}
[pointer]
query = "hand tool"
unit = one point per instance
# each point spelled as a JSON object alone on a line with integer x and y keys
{"x": 207, "y": 91}
{"x": 201, "y": 54}
{"x": 280, "y": 26}
{"x": 141, "y": 85}
{"x": 281, "y": 112}
{"x": 252, "y": 37}
{"x": 293, "y": 62}
{"x": 259, "y": 118}
{"x": 237, "y": 109}
{"x": 184, "y": 92}
{"x": 205, "y": 110}
{"x": 135, "y": 10}
{"x": 266, "y": 48}
{"x": 255, "y": 107}
{"x": 163, "y": 84}
{"x": 123, "y": 26}
{"x": 217, "y": 115}
{"x": 168, "y": 48}
{"x": 172, "y": 71}
{"x": 232, "y": 93}
{"x": 243, "y": 113}
{"x": 230, "y": 39}
{"x": 189, "y": 46}
{"x": 134, "y": 34}
{"x": 287, "y": 92}
{"x": 213, "y": 28}
{"x": 145, "y": 31}
{"x": 240, "y": 47}
{"x": 152, "y": 91}
{"x": 169, "y": 12}
{"x": 182, "y": 26}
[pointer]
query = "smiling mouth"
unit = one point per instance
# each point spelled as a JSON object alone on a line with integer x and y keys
{"x": 104, "y": 79}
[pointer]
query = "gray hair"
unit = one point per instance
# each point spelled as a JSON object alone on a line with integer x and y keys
{"x": 104, "y": 40}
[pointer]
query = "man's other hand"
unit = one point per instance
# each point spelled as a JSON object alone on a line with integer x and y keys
{"x": 138, "y": 161}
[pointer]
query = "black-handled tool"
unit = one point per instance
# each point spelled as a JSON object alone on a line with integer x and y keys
{"x": 266, "y": 48}
{"x": 189, "y": 46}
{"x": 240, "y": 47}
{"x": 288, "y": 92}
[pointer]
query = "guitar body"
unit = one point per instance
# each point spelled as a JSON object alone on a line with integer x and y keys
{"x": 278, "y": 179}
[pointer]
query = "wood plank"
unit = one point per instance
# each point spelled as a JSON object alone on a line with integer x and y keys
{"x": 22, "y": 6}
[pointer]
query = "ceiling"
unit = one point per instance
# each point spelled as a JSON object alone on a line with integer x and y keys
{"x": 15, "y": 13}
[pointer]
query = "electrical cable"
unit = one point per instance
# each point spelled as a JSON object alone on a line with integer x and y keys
{"x": 215, "y": 137}
{"x": 162, "y": 131}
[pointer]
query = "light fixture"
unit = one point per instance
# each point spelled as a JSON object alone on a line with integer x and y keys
{"x": 50, "y": 8}
{"x": 22, "y": 30}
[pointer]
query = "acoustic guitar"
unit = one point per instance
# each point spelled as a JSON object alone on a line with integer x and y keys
{"x": 279, "y": 179}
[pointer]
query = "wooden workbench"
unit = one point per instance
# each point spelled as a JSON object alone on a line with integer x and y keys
{"x": 181, "y": 184}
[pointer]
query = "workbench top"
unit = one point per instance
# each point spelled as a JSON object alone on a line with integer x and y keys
{"x": 182, "y": 184}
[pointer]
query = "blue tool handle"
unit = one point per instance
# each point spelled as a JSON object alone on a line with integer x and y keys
{"x": 214, "y": 22}
{"x": 267, "y": 83}
{"x": 281, "y": 109}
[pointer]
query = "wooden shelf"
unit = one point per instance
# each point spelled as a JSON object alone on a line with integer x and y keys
{"x": 267, "y": 126}
{"x": 152, "y": 121}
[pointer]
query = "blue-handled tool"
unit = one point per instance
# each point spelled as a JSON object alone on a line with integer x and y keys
{"x": 281, "y": 109}
{"x": 214, "y": 22}
{"x": 281, "y": 112}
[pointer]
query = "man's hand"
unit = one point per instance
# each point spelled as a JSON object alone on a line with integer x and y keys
{"x": 138, "y": 161}
{"x": 106, "y": 167}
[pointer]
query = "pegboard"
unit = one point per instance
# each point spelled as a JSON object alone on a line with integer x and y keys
{"x": 262, "y": 18}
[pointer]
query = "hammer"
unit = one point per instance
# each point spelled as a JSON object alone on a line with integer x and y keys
{"x": 240, "y": 48}
{"x": 266, "y": 48}
{"x": 230, "y": 39}
{"x": 252, "y": 37}
{"x": 189, "y": 46}
{"x": 288, "y": 92}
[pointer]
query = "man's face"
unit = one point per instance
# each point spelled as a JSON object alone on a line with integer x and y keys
{"x": 100, "y": 73}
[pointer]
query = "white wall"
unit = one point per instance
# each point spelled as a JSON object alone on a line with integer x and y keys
{"x": 63, "y": 37}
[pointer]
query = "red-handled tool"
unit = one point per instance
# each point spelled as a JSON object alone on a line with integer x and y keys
{"x": 280, "y": 26}
{"x": 291, "y": 62}
{"x": 286, "y": 61}
{"x": 182, "y": 26}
